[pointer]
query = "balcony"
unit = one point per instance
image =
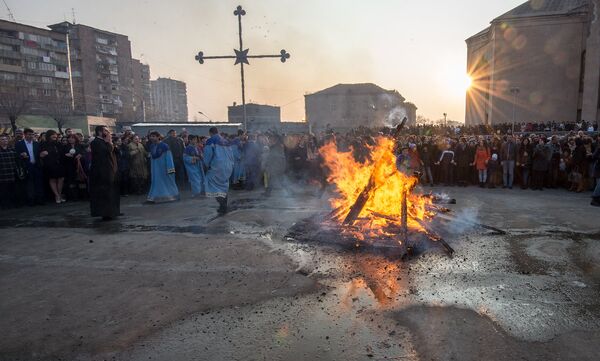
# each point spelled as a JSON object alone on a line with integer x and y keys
{"x": 10, "y": 41}
{"x": 49, "y": 73}
{"x": 61, "y": 74}
{"x": 11, "y": 68}
{"x": 10, "y": 54}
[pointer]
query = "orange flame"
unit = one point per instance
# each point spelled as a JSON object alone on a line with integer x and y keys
{"x": 383, "y": 210}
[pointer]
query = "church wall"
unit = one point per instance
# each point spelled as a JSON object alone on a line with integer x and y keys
{"x": 591, "y": 87}
{"x": 478, "y": 68}
{"x": 543, "y": 59}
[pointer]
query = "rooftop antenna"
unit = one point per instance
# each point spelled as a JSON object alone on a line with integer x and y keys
{"x": 10, "y": 14}
{"x": 73, "y": 13}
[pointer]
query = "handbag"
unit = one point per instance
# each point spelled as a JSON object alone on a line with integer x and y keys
{"x": 20, "y": 171}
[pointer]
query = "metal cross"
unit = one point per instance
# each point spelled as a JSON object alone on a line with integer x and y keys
{"x": 241, "y": 57}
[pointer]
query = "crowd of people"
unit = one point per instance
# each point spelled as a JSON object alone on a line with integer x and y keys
{"x": 50, "y": 167}
{"x": 37, "y": 168}
{"x": 504, "y": 128}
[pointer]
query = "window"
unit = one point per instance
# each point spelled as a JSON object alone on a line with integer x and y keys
{"x": 33, "y": 92}
{"x": 9, "y": 61}
{"x": 32, "y": 37}
{"x": 60, "y": 44}
{"x": 7, "y": 76}
{"x": 48, "y": 92}
{"x": 102, "y": 41}
{"x": 47, "y": 67}
{"x": 115, "y": 87}
{"x": 46, "y": 80}
{"x": 31, "y": 65}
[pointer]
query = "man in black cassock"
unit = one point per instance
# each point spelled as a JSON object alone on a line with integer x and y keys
{"x": 105, "y": 200}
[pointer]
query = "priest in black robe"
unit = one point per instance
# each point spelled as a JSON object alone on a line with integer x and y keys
{"x": 105, "y": 199}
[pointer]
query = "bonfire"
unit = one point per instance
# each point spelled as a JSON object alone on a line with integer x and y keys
{"x": 374, "y": 200}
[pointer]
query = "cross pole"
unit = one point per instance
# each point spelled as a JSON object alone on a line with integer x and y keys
{"x": 241, "y": 57}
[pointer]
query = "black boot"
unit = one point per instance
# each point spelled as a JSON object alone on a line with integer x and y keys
{"x": 222, "y": 205}
{"x": 595, "y": 201}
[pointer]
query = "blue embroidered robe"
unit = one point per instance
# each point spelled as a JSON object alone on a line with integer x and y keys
{"x": 195, "y": 171}
{"x": 162, "y": 187}
{"x": 219, "y": 161}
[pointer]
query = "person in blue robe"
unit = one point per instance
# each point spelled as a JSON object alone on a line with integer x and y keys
{"x": 162, "y": 187}
{"x": 194, "y": 166}
{"x": 218, "y": 162}
{"x": 238, "y": 177}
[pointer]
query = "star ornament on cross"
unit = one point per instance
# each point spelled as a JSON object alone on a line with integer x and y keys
{"x": 241, "y": 56}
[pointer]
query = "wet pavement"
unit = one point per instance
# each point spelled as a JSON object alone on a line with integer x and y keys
{"x": 176, "y": 282}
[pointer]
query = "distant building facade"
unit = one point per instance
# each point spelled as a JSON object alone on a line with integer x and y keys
{"x": 263, "y": 118}
{"x": 142, "y": 91}
{"x": 169, "y": 100}
{"x": 259, "y": 117}
{"x": 540, "y": 61}
{"x": 346, "y": 106}
{"x": 34, "y": 65}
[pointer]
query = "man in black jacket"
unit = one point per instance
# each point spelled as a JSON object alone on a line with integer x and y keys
{"x": 177, "y": 146}
{"x": 28, "y": 151}
{"x": 596, "y": 174}
{"x": 508, "y": 156}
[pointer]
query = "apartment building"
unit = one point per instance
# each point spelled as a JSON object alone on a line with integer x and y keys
{"x": 142, "y": 92}
{"x": 34, "y": 65}
{"x": 101, "y": 71}
{"x": 169, "y": 100}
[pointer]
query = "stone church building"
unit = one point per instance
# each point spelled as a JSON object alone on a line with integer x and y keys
{"x": 538, "y": 62}
{"x": 346, "y": 106}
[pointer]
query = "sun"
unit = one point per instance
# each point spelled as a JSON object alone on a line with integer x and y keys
{"x": 468, "y": 81}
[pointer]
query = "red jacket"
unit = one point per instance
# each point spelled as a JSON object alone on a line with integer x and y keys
{"x": 482, "y": 155}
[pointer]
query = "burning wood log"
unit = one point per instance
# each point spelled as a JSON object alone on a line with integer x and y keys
{"x": 435, "y": 237}
{"x": 432, "y": 207}
{"x": 360, "y": 202}
{"x": 475, "y": 224}
{"x": 404, "y": 216}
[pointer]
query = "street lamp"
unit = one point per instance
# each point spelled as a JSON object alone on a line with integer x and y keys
{"x": 210, "y": 120}
{"x": 514, "y": 91}
{"x": 445, "y": 120}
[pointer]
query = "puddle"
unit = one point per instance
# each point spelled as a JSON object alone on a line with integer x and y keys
{"x": 115, "y": 226}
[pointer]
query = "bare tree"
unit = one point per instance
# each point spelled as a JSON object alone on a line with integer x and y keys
{"x": 61, "y": 110}
{"x": 13, "y": 103}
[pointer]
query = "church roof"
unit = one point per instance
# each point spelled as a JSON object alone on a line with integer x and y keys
{"x": 482, "y": 32}
{"x": 535, "y": 8}
{"x": 360, "y": 88}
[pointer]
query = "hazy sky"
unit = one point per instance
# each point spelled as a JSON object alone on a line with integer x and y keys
{"x": 415, "y": 47}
